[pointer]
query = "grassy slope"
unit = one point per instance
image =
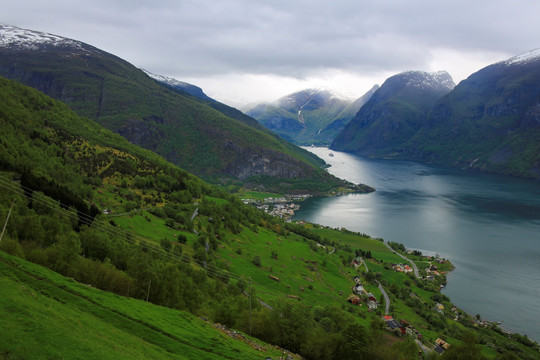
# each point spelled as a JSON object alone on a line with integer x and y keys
{"x": 317, "y": 278}
{"x": 45, "y": 315}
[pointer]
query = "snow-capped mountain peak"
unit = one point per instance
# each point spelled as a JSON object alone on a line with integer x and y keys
{"x": 422, "y": 79}
{"x": 12, "y": 36}
{"x": 165, "y": 79}
{"x": 526, "y": 57}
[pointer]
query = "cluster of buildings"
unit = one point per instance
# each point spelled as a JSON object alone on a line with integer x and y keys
{"x": 431, "y": 272}
{"x": 358, "y": 292}
{"x": 404, "y": 268}
{"x": 283, "y": 207}
{"x": 402, "y": 327}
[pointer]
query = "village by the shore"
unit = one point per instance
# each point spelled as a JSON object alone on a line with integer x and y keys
{"x": 283, "y": 207}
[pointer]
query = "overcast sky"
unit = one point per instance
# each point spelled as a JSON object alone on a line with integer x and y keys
{"x": 242, "y": 51}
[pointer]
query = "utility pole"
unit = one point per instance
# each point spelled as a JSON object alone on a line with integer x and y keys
{"x": 148, "y": 292}
{"x": 250, "y": 306}
{"x": 7, "y": 219}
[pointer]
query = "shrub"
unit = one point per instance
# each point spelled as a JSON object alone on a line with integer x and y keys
{"x": 256, "y": 260}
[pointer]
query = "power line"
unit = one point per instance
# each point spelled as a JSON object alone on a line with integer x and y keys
{"x": 104, "y": 227}
{"x": 148, "y": 244}
{"x": 7, "y": 219}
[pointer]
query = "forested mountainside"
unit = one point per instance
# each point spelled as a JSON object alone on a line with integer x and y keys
{"x": 395, "y": 112}
{"x": 178, "y": 126}
{"x": 106, "y": 214}
{"x": 489, "y": 122}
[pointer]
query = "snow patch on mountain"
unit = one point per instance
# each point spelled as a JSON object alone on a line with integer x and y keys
{"x": 323, "y": 92}
{"x": 12, "y": 36}
{"x": 166, "y": 80}
{"x": 424, "y": 80}
{"x": 527, "y": 57}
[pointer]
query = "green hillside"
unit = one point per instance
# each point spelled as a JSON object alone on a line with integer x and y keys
{"x": 394, "y": 114}
{"x": 45, "y": 316}
{"x": 489, "y": 122}
{"x": 87, "y": 204}
{"x": 184, "y": 130}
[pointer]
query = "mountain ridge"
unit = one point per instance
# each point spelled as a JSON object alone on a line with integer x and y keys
{"x": 489, "y": 122}
{"x": 177, "y": 125}
{"x": 393, "y": 113}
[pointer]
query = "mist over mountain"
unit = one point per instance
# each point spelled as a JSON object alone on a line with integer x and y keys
{"x": 310, "y": 116}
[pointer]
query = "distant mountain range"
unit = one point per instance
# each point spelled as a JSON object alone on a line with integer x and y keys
{"x": 175, "y": 120}
{"x": 489, "y": 122}
{"x": 311, "y": 116}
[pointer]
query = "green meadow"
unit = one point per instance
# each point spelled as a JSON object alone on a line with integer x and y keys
{"x": 48, "y": 316}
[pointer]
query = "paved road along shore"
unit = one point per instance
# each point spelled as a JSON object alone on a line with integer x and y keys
{"x": 415, "y": 269}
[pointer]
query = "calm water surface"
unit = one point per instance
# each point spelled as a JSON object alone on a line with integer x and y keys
{"x": 487, "y": 225}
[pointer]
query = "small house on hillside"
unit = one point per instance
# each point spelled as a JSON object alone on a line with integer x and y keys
{"x": 358, "y": 289}
{"x": 394, "y": 326}
{"x": 353, "y": 299}
{"x": 441, "y": 345}
{"x": 372, "y": 302}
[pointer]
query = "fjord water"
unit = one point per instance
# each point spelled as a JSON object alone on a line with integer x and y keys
{"x": 487, "y": 225}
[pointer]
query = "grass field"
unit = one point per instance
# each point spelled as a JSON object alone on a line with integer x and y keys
{"x": 47, "y": 316}
{"x": 319, "y": 276}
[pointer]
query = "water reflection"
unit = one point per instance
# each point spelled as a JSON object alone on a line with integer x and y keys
{"x": 489, "y": 226}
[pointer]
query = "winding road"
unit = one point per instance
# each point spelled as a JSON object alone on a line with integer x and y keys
{"x": 362, "y": 259}
{"x": 383, "y": 292}
{"x": 386, "y": 299}
{"x": 415, "y": 269}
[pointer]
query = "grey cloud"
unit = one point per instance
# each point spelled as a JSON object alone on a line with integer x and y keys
{"x": 293, "y": 38}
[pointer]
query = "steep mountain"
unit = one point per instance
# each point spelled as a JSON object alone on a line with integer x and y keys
{"x": 311, "y": 116}
{"x": 489, "y": 122}
{"x": 395, "y": 112}
{"x": 170, "y": 122}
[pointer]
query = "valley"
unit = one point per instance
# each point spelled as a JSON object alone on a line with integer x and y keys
{"x": 143, "y": 219}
